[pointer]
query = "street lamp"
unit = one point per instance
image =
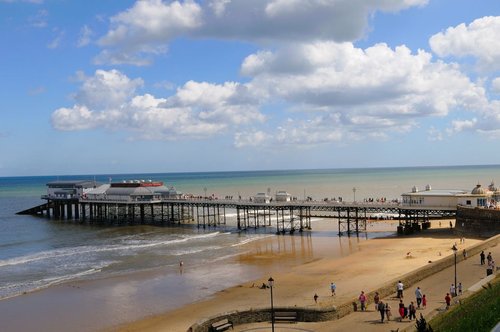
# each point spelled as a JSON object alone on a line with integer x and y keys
{"x": 271, "y": 284}
{"x": 354, "y": 192}
{"x": 455, "y": 249}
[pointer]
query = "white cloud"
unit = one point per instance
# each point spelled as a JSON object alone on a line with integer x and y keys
{"x": 230, "y": 102}
{"x": 366, "y": 90}
{"x": 257, "y": 138}
{"x": 107, "y": 89}
{"x": 495, "y": 85}
{"x": 148, "y": 26}
{"x": 461, "y": 125}
{"x": 333, "y": 91}
{"x": 76, "y": 118}
{"x": 338, "y": 92}
{"x": 197, "y": 110}
{"x": 85, "y": 36}
{"x": 145, "y": 29}
{"x": 218, "y": 6}
{"x": 478, "y": 39}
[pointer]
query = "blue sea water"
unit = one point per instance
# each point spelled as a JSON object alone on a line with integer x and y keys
{"x": 36, "y": 252}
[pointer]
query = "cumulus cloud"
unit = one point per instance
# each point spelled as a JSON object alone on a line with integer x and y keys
{"x": 367, "y": 96}
{"x": 148, "y": 26}
{"x": 364, "y": 92}
{"x": 145, "y": 29}
{"x": 109, "y": 99}
{"x": 332, "y": 92}
{"x": 106, "y": 89}
{"x": 478, "y": 39}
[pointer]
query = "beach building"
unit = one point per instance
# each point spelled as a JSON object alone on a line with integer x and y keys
{"x": 283, "y": 196}
{"x": 68, "y": 189}
{"x": 262, "y": 198}
{"x": 443, "y": 198}
{"x": 132, "y": 191}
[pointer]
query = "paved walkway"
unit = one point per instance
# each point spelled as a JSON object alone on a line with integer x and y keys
{"x": 435, "y": 287}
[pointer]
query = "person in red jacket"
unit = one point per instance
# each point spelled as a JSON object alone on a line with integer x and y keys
{"x": 447, "y": 298}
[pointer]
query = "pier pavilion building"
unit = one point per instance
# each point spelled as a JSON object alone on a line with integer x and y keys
{"x": 69, "y": 189}
{"x": 477, "y": 197}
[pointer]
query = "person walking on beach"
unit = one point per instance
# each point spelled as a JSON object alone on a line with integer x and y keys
{"x": 401, "y": 310}
{"x": 362, "y": 300}
{"x": 489, "y": 257}
{"x": 412, "y": 311}
{"x": 399, "y": 288}
{"x": 447, "y": 298}
{"x": 418, "y": 296}
{"x": 482, "y": 255}
{"x": 376, "y": 300}
{"x": 388, "y": 311}
{"x": 381, "y": 309}
{"x": 459, "y": 288}
{"x": 333, "y": 287}
{"x": 424, "y": 301}
{"x": 452, "y": 290}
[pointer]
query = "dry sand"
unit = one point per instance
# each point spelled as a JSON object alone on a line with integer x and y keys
{"x": 376, "y": 262}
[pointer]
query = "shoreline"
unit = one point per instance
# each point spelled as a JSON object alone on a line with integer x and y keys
{"x": 110, "y": 301}
{"x": 376, "y": 262}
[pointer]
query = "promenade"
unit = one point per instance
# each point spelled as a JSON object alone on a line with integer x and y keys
{"x": 469, "y": 272}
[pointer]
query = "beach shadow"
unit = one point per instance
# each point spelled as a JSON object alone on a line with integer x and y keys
{"x": 374, "y": 321}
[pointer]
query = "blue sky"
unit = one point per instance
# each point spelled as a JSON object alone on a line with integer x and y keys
{"x": 93, "y": 86}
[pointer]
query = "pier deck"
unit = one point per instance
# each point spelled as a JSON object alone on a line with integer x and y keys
{"x": 285, "y": 216}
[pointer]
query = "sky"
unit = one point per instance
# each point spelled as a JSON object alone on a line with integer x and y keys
{"x": 106, "y": 87}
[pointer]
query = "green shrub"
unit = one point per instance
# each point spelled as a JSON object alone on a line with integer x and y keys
{"x": 479, "y": 312}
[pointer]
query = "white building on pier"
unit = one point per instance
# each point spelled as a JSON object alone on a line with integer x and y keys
{"x": 450, "y": 198}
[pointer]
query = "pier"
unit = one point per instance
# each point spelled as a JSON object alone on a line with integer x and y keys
{"x": 286, "y": 217}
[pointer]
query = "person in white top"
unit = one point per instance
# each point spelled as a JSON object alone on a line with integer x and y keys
{"x": 399, "y": 288}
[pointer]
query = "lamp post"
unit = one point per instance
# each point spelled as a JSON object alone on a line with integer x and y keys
{"x": 271, "y": 284}
{"x": 354, "y": 192}
{"x": 455, "y": 249}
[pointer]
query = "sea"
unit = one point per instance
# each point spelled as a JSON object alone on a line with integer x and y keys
{"x": 37, "y": 253}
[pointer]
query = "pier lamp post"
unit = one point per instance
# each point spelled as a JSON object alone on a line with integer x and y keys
{"x": 455, "y": 249}
{"x": 354, "y": 192}
{"x": 271, "y": 284}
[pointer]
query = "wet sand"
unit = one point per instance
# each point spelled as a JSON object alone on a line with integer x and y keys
{"x": 369, "y": 265}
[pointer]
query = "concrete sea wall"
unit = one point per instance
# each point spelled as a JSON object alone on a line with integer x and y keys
{"x": 479, "y": 222}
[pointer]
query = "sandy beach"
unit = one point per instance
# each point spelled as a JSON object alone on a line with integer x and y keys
{"x": 376, "y": 262}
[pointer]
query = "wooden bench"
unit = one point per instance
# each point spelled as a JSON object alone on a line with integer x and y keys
{"x": 222, "y": 325}
{"x": 285, "y": 316}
